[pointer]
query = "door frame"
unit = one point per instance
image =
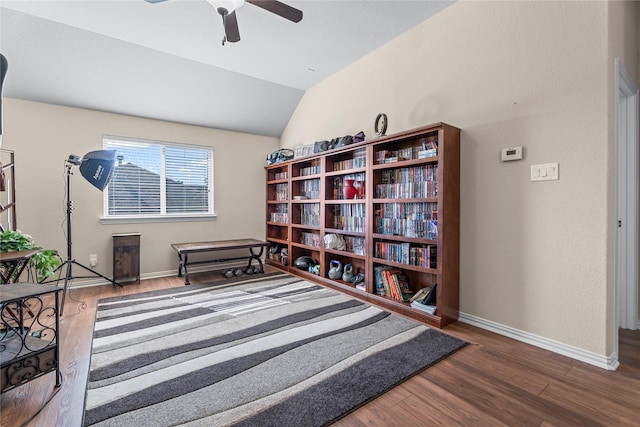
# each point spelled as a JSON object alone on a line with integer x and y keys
{"x": 627, "y": 116}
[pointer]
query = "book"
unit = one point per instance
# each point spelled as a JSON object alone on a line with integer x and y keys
{"x": 431, "y": 309}
{"x": 402, "y": 281}
{"x": 421, "y": 294}
{"x": 379, "y": 282}
{"x": 431, "y": 299}
{"x": 390, "y": 285}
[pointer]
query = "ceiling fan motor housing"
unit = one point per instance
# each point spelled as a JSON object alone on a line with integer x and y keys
{"x": 225, "y": 7}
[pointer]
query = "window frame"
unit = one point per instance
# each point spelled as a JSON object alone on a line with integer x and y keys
{"x": 106, "y": 218}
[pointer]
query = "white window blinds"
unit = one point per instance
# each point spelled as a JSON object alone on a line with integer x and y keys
{"x": 154, "y": 178}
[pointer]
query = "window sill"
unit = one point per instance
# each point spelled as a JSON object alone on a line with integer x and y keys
{"x": 155, "y": 218}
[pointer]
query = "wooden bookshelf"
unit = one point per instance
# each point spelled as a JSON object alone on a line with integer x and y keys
{"x": 400, "y": 209}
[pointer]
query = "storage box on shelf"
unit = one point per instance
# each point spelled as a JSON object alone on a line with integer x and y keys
{"x": 388, "y": 208}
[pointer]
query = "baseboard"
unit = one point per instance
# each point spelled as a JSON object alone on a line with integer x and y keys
{"x": 610, "y": 363}
{"x": 155, "y": 275}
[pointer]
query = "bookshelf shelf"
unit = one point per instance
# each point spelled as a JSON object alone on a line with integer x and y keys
{"x": 399, "y": 214}
{"x": 405, "y": 163}
{"x": 345, "y": 254}
{"x": 345, "y": 172}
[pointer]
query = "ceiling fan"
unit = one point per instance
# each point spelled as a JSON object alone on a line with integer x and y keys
{"x": 227, "y": 10}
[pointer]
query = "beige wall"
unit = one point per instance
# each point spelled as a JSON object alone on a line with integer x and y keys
{"x": 535, "y": 256}
{"x": 43, "y": 136}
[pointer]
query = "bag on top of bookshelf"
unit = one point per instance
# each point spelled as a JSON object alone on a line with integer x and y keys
{"x": 320, "y": 146}
{"x": 342, "y": 141}
{"x": 280, "y": 155}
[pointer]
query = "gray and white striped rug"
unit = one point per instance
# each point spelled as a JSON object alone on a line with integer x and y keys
{"x": 269, "y": 350}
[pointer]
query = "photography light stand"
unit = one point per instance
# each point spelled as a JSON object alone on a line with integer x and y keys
{"x": 70, "y": 262}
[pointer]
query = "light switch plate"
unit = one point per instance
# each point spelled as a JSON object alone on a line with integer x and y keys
{"x": 545, "y": 172}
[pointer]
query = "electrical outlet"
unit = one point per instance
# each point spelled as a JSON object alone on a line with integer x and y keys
{"x": 93, "y": 260}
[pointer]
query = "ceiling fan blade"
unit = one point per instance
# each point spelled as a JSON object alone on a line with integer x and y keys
{"x": 279, "y": 8}
{"x": 231, "y": 27}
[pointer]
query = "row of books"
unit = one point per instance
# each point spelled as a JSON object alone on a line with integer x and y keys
{"x": 355, "y": 245}
{"x": 359, "y": 161}
{"x": 310, "y": 239}
{"x": 409, "y": 174}
{"x": 349, "y": 223}
{"x": 310, "y": 188}
{"x": 281, "y": 175}
{"x": 310, "y": 214}
{"x": 423, "y": 229}
{"x": 279, "y": 217}
{"x": 390, "y": 156}
{"x": 429, "y": 144}
{"x": 409, "y": 190}
{"x": 349, "y": 217}
{"x": 425, "y": 154}
{"x": 356, "y": 209}
{"x": 282, "y": 192}
{"x": 310, "y": 170}
{"x": 411, "y": 210}
{"x": 406, "y": 253}
{"x": 392, "y": 283}
{"x": 424, "y": 256}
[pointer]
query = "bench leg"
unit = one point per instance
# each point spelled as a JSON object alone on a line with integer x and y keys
{"x": 183, "y": 265}
{"x": 257, "y": 257}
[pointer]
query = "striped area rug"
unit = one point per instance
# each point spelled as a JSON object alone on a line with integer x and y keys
{"x": 270, "y": 350}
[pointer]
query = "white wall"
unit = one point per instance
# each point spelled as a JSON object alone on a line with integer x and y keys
{"x": 534, "y": 255}
{"x": 44, "y": 135}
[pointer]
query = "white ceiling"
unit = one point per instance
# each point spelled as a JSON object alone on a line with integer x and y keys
{"x": 166, "y": 60}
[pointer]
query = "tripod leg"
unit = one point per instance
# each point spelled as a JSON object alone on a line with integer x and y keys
{"x": 67, "y": 278}
{"x": 96, "y": 273}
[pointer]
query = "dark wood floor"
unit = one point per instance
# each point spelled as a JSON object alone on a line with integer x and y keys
{"x": 494, "y": 381}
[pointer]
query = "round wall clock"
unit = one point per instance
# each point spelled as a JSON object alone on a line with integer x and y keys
{"x": 381, "y": 124}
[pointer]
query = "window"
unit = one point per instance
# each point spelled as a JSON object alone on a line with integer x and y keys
{"x": 158, "y": 180}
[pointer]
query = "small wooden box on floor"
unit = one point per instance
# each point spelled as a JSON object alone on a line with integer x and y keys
{"x": 126, "y": 257}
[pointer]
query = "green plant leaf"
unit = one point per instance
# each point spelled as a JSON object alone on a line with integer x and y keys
{"x": 44, "y": 262}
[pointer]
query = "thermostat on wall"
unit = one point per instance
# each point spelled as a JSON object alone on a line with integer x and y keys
{"x": 511, "y": 153}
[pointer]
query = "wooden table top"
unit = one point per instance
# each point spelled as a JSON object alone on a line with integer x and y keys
{"x": 21, "y": 290}
{"x": 17, "y": 255}
{"x": 218, "y": 245}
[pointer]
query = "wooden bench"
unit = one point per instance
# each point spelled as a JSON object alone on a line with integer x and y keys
{"x": 184, "y": 249}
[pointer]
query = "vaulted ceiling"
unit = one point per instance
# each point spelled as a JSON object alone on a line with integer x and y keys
{"x": 166, "y": 60}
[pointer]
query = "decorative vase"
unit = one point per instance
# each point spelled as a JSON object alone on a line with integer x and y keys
{"x": 335, "y": 270}
{"x": 359, "y": 186}
{"x": 347, "y": 276}
{"x": 348, "y": 190}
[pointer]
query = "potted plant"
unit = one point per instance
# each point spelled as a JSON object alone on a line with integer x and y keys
{"x": 44, "y": 263}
